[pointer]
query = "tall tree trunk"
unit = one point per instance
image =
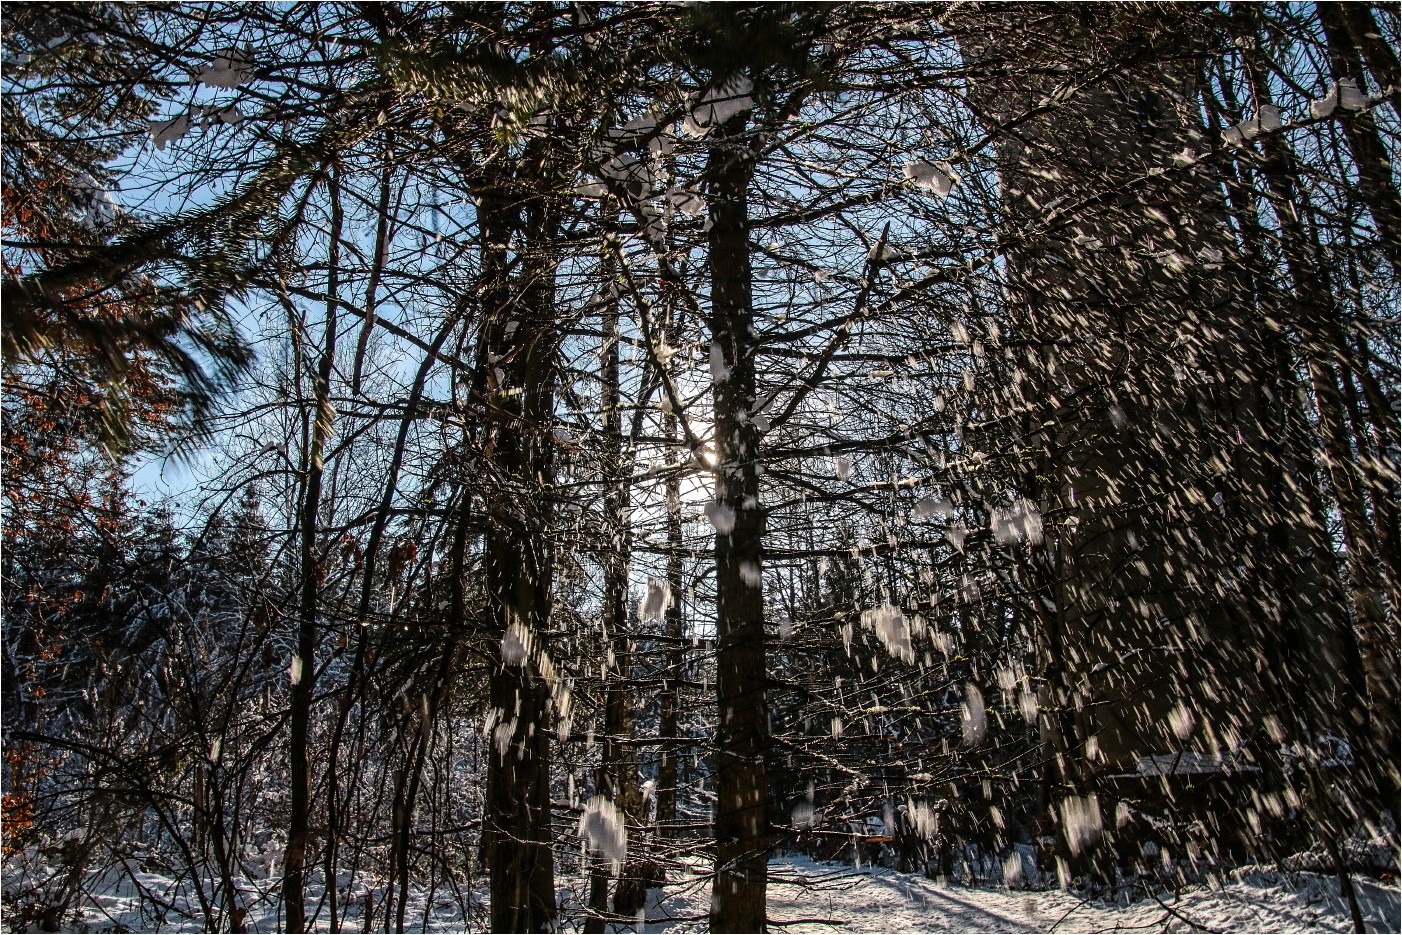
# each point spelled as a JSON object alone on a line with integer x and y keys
{"x": 425, "y": 723}
{"x": 742, "y": 783}
{"x": 674, "y": 651}
{"x": 670, "y": 748}
{"x": 518, "y": 368}
{"x": 1323, "y": 344}
{"x": 1274, "y": 480}
{"x": 514, "y": 392}
{"x": 618, "y": 759}
{"x": 1376, "y": 635}
{"x": 1129, "y": 330}
{"x": 304, "y": 661}
{"x": 1370, "y": 155}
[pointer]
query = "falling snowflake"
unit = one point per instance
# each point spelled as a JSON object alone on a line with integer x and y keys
{"x": 515, "y": 645}
{"x": 655, "y": 602}
{"x": 973, "y": 716}
{"x": 721, "y": 516}
{"x": 892, "y": 628}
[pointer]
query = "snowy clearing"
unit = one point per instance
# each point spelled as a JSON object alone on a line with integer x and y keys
{"x": 807, "y": 896}
{"x": 838, "y": 898}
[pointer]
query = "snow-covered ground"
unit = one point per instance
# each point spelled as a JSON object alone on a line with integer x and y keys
{"x": 805, "y": 896}
{"x": 837, "y": 898}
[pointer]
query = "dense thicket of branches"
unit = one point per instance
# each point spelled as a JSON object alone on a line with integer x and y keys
{"x": 700, "y": 429}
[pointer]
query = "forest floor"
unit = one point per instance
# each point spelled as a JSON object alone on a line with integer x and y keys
{"x": 839, "y": 898}
{"x": 805, "y": 896}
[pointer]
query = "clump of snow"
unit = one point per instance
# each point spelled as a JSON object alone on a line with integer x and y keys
{"x": 686, "y": 203}
{"x": 294, "y": 670}
{"x": 918, "y": 625}
{"x": 1342, "y": 94}
{"x": 1267, "y": 118}
{"x": 722, "y": 517}
{"x": 750, "y": 573}
{"x": 921, "y": 818}
{"x": 719, "y": 371}
{"x": 1350, "y": 98}
{"x": 883, "y": 252}
{"x": 1081, "y": 822}
{"x": 892, "y": 629}
{"x": 936, "y": 177}
{"x": 516, "y": 644}
{"x": 168, "y": 131}
{"x": 101, "y": 208}
{"x": 1020, "y": 522}
{"x": 933, "y": 506}
{"x": 719, "y": 104}
{"x": 664, "y": 353}
{"x": 229, "y": 69}
{"x": 642, "y": 130}
{"x": 631, "y": 170}
{"x": 1182, "y": 720}
{"x": 1027, "y": 705}
{"x": 1007, "y": 677}
{"x": 501, "y": 731}
{"x": 956, "y": 536}
{"x": 973, "y": 716}
{"x": 602, "y": 828}
{"x": 655, "y": 603}
{"x": 944, "y": 642}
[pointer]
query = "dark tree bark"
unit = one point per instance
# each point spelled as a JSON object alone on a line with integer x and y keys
{"x": 674, "y": 654}
{"x": 1135, "y": 367}
{"x": 1299, "y": 587}
{"x": 742, "y": 785}
{"x": 517, "y": 390}
{"x": 304, "y": 663}
{"x": 618, "y": 759}
{"x": 1315, "y": 317}
{"x": 1317, "y": 320}
{"x": 1370, "y": 155}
